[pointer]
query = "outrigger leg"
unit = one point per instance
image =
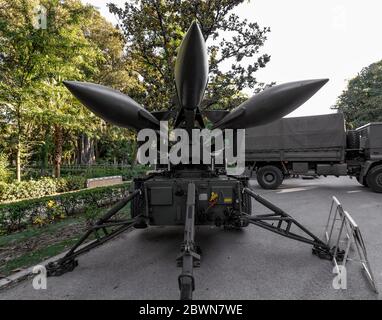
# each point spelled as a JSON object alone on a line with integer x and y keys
{"x": 280, "y": 222}
{"x": 189, "y": 257}
{"x": 110, "y": 228}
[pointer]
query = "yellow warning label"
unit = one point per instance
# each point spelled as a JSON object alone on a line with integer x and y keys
{"x": 227, "y": 200}
{"x": 214, "y": 197}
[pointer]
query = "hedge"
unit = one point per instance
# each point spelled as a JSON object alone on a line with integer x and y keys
{"x": 18, "y": 215}
{"x": 127, "y": 173}
{"x": 91, "y": 171}
{"x": 39, "y": 188}
{"x": 71, "y": 181}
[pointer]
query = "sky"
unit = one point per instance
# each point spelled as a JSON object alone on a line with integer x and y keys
{"x": 309, "y": 39}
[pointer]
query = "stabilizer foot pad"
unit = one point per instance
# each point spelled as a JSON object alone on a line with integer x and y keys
{"x": 328, "y": 254}
{"x": 58, "y": 268}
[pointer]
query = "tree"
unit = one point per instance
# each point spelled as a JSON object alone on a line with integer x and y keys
{"x": 77, "y": 44}
{"x": 115, "y": 71}
{"x": 33, "y": 63}
{"x": 154, "y": 29}
{"x": 70, "y": 56}
{"x": 21, "y": 46}
{"x": 361, "y": 102}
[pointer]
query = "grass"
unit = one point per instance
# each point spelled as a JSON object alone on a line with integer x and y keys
{"x": 34, "y": 231}
{"x": 51, "y": 239}
{"x": 34, "y": 257}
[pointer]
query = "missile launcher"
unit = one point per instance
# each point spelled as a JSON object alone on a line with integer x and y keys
{"x": 193, "y": 194}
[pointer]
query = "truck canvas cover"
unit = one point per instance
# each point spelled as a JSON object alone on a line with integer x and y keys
{"x": 313, "y": 132}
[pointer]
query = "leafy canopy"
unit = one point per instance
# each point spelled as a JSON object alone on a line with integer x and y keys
{"x": 361, "y": 102}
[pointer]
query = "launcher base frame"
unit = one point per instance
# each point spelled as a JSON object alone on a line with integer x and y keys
{"x": 284, "y": 222}
{"x": 277, "y": 222}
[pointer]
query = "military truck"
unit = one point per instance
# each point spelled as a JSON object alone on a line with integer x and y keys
{"x": 315, "y": 145}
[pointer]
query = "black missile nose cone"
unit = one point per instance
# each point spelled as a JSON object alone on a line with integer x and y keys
{"x": 112, "y": 105}
{"x": 271, "y": 104}
{"x": 191, "y": 68}
{"x": 324, "y": 81}
{"x": 68, "y": 84}
{"x": 81, "y": 90}
{"x": 314, "y": 84}
{"x": 194, "y": 27}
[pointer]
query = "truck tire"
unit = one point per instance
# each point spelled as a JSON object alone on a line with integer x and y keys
{"x": 352, "y": 139}
{"x": 364, "y": 182}
{"x": 374, "y": 179}
{"x": 269, "y": 177}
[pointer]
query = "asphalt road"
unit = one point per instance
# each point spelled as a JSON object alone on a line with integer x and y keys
{"x": 247, "y": 264}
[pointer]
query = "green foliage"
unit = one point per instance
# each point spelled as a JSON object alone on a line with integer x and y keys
{"x": 116, "y": 145}
{"x": 127, "y": 173}
{"x": 39, "y": 118}
{"x": 361, "y": 102}
{"x": 81, "y": 172}
{"x": 39, "y": 188}
{"x": 71, "y": 183}
{"x": 33, "y": 63}
{"x": 4, "y": 172}
{"x": 18, "y": 215}
{"x": 73, "y": 179}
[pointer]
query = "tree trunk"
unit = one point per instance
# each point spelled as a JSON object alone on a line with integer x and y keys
{"x": 58, "y": 142}
{"x": 79, "y": 149}
{"x": 18, "y": 144}
{"x": 18, "y": 161}
{"x": 87, "y": 150}
{"x": 134, "y": 151}
{"x": 96, "y": 150}
{"x": 44, "y": 154}
{"x": 92, "y": 156}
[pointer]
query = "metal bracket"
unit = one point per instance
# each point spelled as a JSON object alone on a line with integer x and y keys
{"x": 284, "y": 223}
{"x": 110, "y": 227}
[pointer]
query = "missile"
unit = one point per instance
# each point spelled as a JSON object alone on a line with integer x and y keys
{"x": 191, "y": 68}
{"x": 112, "y": 105}
{"x": 271, "y": 104}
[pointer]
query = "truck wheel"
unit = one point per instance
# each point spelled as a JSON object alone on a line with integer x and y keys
{"x": 374, "y": 179}
{"x": 364, "y": 183}
{"x": 269, "y": 177}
